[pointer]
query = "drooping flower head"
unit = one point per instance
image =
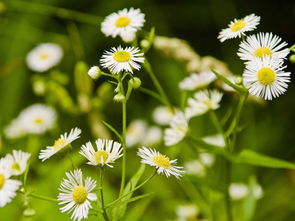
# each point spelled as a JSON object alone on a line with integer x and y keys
{"x": 122, "y": 59}
{"x": 125, "y": 23}
{"x": 161, "y": 162}
{"x": 177, "y": 131}
{"x": 76, "y": 195}
{"x": 262, "y": 44}
{"x": 202, "y": 102}
{"x": 163, "y": 115}
{"x": 105, "y": 153}
{"x": 59, "y": 144}
{"x": 44, "y": 56}
{"x": 266, "y": 78}
{"x": 196, "y": 81}
{"x": 238, "y": 27}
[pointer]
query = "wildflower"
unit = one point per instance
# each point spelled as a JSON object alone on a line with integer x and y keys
{"x": 177, "y": 131}
{"x": 195, "y": 167}
{"x": 265, "y": 77}
{"x": 262, "y": 44}
{"x": 64, "y": 140}
{"x": 17, "y": 162}
{"x": 107, "y": 151}
{"x": 207, "y": 159}
{"x": 94, "y": 72}
{"x": 44, "y": 56}
{"x": 239, "y": 191}
{"x": 37, "y": 118}
{"x": 136, "y": 132}
{"x": 163, "y": 115}
{"x": 237, "y": 28}
{"x": 76, "y": 194}
{"x": 8, "y": 187}
{"x": 125, "y": 23}
{"x": 119, "y": 59}
{"x": 161, "y": 162}
{"x": 203, "y": 102}
{"x": 152, "y": 136}
{"x": 187, "y": 212}
{"x": 216, "y": 140}
{"x": 196, "y": 81}
{"x": 15, "y": 130}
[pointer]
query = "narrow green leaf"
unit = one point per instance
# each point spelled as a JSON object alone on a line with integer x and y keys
{"x": 257, "y": 159}
{"x": 137, "y": 210}
{"x": 113, "y": 130}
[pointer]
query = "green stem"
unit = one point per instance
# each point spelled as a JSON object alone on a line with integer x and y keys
{"x": 75, "y": 40}
{"x": 156, "y": 82}
{"x": 104, "y": 212}
{"x": 227, "y": 196}
{"x": 40, "y": 197}
{"x": 124, "y": 146}
{"x": 49, "y": 10}
{"x": 136, "y": 188}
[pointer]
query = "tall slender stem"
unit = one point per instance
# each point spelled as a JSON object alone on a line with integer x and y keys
{"x": 124, "y": 146}
{"x": 104, "y": 212}
{"x": 156, "y": 82}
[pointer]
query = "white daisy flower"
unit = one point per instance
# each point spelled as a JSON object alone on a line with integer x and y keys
{"x": 153, "y": 136}
{"x": 239, "y": 191}
{"x": 8, "y": 187}
{"x": 196, "y": 81}
{"x": 44, "y": 56}
{"x": 217, "y": 140}
{"x": 265, "y": 77}
{"x": 15, "y": 129}
{"x": 107, "y": 151}
{"x": 163, "y": 115}
{"x": 119, "y": 59}
{"x": 203, "y": 102}
{"x": 237, "y": 28}
{"x": 64, "y": 140}
{"x": 17, "y": 162}
{"x": 76, "y": 194}
{"x": 195, "y": 167}
{"x": 177, "y": 131}
{"x": 135, "y": 132}
{"x": 37, "y": 118}
{"x": 161, "y": 162}
{"x": 187, "y": 212}
{"x": 207, "y": 159}
{"x": 125, "y": 23}
{"x": 262, "y": 44}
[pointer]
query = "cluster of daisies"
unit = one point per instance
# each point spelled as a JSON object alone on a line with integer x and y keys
{"x": 11, "y": 167}
{"x": 264, "y": 55}
{"x": 76, "y": 193}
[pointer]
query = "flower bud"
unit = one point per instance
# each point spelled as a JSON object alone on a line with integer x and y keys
{"x": 29, "y": 212}
{"x": 119, "y": 97}
{"x": 145, "y": 44}
{"x": 39, "y": 87}
{"x": 94, "y": 72}
{"x": 292, "y": 58}
{"x": 135, "y": 82}
{"x": 239, "y": 80}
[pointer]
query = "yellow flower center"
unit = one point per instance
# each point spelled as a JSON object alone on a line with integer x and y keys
{"x": 79, "y": 194}
{"x": 15, "y": 166}
{"x": 101, "y": 156}
{"x": 38, "y": 120}
{"x": 208, "y": 103}
{"x": 122, "y": 56}
{"x": 44, "y": 56}
{"x": 266, "y": 76}
{"x": 262, "y": 51}
{"x": 2, "y": 180}
{"x": 162, "y": 161}
{"x": 238, "y": 25}
{"x": 59, "y": 143}
{"x": 122, "y": 22}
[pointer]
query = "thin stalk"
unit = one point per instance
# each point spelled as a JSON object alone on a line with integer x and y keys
{"x": 136, "y": 188}
{"x": 40, "y": 197}
{"x": 124, "y": 146}
{"x": 156, "y": 82}
{"x": 104, "y": 212}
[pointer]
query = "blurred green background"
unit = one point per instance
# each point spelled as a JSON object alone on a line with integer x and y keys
{"x": 269, "y": 128}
